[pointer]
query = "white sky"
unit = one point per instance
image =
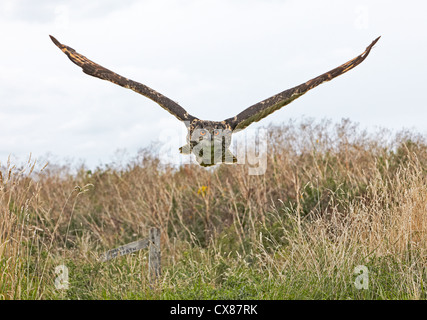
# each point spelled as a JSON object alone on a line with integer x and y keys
{"x": 215, "y": 58}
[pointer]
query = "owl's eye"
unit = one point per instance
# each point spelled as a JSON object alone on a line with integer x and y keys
{"x": 216, "y": 132}
{"x": 202, "y": 132}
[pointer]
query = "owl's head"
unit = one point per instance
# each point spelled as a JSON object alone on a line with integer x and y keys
{"x": 209, "y": 141}
{"x": 213, "y": 131}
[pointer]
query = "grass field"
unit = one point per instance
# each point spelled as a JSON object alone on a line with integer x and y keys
{"x": 333, "y": 197}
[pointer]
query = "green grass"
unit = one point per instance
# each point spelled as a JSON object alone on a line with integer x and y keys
{"x": 204, "y": 274}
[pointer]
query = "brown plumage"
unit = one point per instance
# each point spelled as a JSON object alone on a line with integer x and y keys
{"x": 210, "y": 140}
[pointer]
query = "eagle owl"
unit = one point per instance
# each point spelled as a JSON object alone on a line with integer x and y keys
{"x": 209, "y": 141}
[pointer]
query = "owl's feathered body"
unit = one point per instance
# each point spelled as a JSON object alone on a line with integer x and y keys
{"x": 209, "y": 141}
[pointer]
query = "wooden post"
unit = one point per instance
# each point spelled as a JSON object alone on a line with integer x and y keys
{"x": 154, "y": 254}
{"x": 153, "y": 241}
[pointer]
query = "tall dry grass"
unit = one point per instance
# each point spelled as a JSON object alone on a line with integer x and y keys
{"x": 333, "y": 197}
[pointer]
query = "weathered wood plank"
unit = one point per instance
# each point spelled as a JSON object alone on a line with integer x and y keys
{"x": 125, "y": 249}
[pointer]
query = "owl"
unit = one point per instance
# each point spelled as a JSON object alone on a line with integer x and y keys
{"x": 209, "y": 141}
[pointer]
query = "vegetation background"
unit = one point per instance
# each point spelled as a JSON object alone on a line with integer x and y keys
{"x": 333, "y": 197}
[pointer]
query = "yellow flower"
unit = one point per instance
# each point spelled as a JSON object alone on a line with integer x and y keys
{"x": 202, "y": 190}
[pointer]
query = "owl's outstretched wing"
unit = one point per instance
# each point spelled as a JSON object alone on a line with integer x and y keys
{"x": 91, "y": 68}
{"x": 264, "y": 108}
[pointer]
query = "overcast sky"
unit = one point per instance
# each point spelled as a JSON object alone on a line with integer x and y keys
{"x": 214, "y": 58}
